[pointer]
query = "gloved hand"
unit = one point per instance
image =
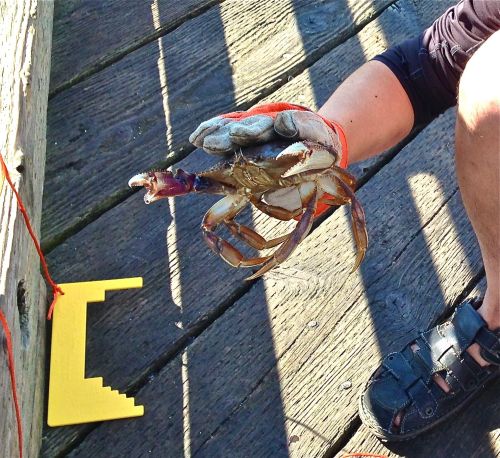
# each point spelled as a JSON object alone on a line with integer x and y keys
{"x": 224, "y": 133}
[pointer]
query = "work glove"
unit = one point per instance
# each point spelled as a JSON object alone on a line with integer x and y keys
{"x": 227, "y": 132}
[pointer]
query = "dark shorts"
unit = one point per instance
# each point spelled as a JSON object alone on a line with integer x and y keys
{"x": 429, "y": 66}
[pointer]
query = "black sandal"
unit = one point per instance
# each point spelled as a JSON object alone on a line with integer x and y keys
{"x": 403, "y": 386}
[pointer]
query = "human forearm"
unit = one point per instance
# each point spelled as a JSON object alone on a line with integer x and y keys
{"x": 372, "y": 104}
{"x": 373, "y": 108}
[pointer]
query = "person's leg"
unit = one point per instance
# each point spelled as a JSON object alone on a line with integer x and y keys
{"x": 478, "y": 163}
{"x": 393, "y": 403}
{"x": 477, "y": 138}
{"x": 477, "y": 143}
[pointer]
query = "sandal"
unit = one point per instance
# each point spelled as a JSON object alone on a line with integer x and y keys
{"x": 401, "y": 398}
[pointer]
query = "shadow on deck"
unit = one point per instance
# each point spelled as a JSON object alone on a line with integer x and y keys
{"x": 226, "y": 367}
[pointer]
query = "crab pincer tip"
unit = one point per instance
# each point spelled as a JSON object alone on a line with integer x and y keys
{"x": 137, "y": 180}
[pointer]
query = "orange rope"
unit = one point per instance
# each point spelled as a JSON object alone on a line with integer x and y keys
{"x": 56, "y": 290}
{"x": 12, "y": 371}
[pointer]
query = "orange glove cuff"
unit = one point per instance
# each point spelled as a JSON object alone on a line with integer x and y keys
{"x": 272, "y": 109}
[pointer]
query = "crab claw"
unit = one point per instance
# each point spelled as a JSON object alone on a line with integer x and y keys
{"x": 163, "y": 183}
{"x": 310, "y": 155}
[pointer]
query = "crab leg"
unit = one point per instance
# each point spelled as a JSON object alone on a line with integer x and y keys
{"x": 303, "y": 227}
{"x": 276, "y": 212}
{"x": 226, "y": 209}
{"x": 251, "y": 237}
{"x": 335, "y": 194}
{"x": 358, "y": 222}
{"x": 344, "y": 176}
{"x": 332, "y": 201}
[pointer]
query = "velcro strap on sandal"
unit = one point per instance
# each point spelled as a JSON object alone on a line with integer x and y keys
{"x": 423, "y": 399}
{"x": 412, "y": 383}
{"x": 466, "y": 324}
{"x": 489, "y": 341}
{"x": 401, "y": 369}
{"x": 471, "y": 327}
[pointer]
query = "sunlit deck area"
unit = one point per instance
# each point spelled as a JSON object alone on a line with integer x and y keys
{"x": 225, "y": 367}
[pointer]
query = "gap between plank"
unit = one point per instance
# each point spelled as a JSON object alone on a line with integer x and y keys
{"x": 345, "y": 437}
{"x": 415, "y": 235}
{"x": 311, "y": 59}
{"x": 250, "y": 392}
{"x": 111, "y": 201}
{"x": 118, "y": 55}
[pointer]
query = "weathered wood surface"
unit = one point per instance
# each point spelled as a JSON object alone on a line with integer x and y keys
{"x": 479, "y": 289}
{"x": 239, "y": 401}
{"x": 108, "y": 31}
{"x": 129, "y": 115}
{"x": 474, "y": 432}
{"x": 135, "y": 225}
{"x": 25, "y": 39}
{"x": 132, "y": 215}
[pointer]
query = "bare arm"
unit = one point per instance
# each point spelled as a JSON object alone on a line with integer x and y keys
{"x": 373, "y": 108}
{"x": 372, "y": 104}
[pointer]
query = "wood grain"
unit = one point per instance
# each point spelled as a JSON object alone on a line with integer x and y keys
{"x": 109, "y": 30}
{"x": 271, "y": 367}
{"x": 478, "y": 290}
{"x": 198, "y": 279}
{"x": 25, "y": 40}
{"x": 131, "y": 115}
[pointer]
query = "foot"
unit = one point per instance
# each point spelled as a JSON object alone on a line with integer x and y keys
{"x": 432, "y": 377}
{"x": 492, "y": 319}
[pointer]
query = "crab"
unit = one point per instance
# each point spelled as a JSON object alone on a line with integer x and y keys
{"x": 284, "y": 181}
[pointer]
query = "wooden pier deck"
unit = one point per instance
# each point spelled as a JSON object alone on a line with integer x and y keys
{"x": 224, "y": 367}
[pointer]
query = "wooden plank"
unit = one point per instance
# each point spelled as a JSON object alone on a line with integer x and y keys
{"x": 320, "y": 326}
{"x": 128, "y": 115}
{"x": 25, "y": 39}
{"x": 109, "y": 30}
{"x": 205, "y": 284}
